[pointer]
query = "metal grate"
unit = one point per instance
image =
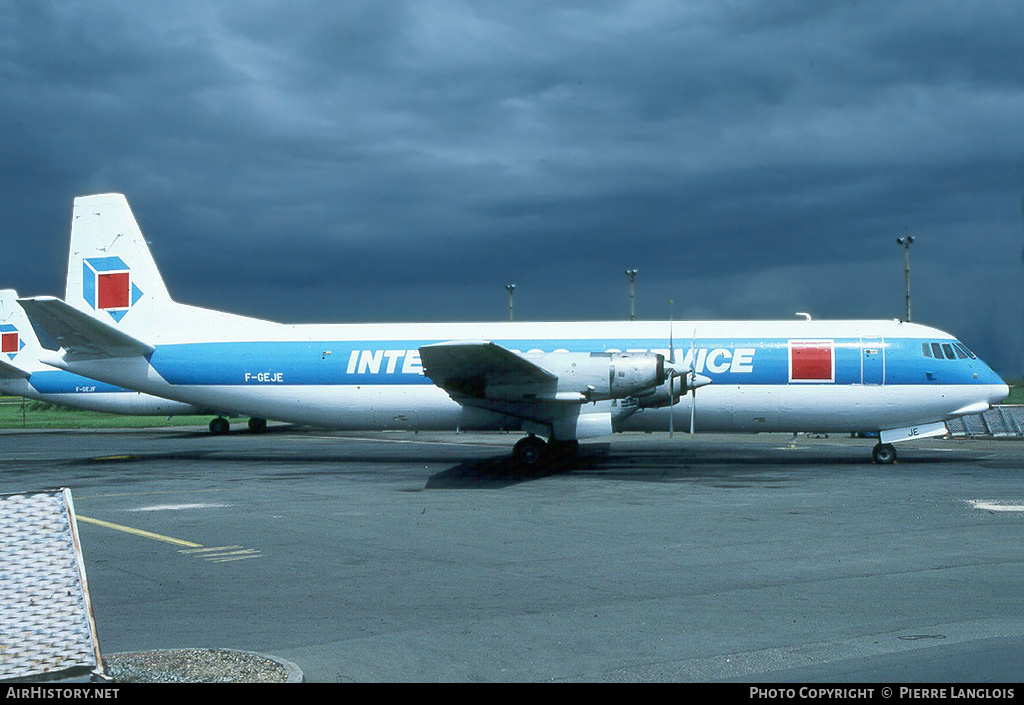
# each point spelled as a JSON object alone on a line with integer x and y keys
{"x": 1005, "y": 420}
{"x": 46, "y": 623}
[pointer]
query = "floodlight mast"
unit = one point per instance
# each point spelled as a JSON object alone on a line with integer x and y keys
{"x": 906, "y": 242}
{"x": 511, "y": 309}
{"x": 631, "y": 273}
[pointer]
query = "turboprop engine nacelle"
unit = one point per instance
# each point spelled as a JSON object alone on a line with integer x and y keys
{"x": 598, "y": 376}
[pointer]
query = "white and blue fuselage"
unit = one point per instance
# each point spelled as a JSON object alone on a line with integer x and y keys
{"x": 828, "y": 376}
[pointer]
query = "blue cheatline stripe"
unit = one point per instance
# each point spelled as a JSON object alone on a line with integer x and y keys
{"x": 62, "y": 382}
{"x": 725, "y": 361}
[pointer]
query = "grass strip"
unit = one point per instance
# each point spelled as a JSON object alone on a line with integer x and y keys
{"x": 16, "y": 412}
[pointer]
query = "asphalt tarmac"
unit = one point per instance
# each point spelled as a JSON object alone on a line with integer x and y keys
{"x": 399, "y": 557}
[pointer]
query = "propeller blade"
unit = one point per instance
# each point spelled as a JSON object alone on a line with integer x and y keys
{"x": 691, "y": 380}
{"x": 693, "y": 409}
{"x": 671, "y": 347}
{"x": 672, "y": 403}
{"x": 671, "y": 372}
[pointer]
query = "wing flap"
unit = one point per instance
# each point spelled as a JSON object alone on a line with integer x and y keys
{"x": 81, "y": 335}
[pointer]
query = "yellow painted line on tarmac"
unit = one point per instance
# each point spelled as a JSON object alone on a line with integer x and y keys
{"x": 213, "y": 554}
{"x": 139, "y": 532}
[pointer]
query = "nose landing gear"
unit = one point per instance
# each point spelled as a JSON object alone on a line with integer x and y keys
{"x": 884, "y": 454}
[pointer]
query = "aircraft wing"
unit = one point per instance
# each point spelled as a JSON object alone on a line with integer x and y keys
{"x": 484, "y": 370}
{"x": 9, "y": 371}
{"x": 484, "y": 375}
{"x": 81, "y": 335}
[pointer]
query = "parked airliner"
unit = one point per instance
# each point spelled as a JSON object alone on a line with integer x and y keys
{"x": 562, "y": 381}
{"x": 23, "y": 375}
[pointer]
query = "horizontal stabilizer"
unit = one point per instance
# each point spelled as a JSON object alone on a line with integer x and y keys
{"x": 9, "y": 371}
{"x": 81, "y": 335}
{"x": 469, "y": 369}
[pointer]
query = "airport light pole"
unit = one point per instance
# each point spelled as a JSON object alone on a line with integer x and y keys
{"x": 511, "y": 290}
{"x": 906, "y": 242}
{"x": 631, "y": 273}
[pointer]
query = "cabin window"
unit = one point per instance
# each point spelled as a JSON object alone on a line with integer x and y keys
{"x": 926, "y": 350}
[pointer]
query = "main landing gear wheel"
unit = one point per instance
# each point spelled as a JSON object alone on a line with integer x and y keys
{"x": 219, "y": 426}
{"x": 884, "y": 454}
{"x": 528, "y": 453}
{"x": 257, "y": 425}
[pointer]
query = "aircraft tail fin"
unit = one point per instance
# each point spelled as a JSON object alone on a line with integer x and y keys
{"x": 111, "y": 272}
{"x": 113, "y": 277}
{"x": 19, "y": 344}
{"x": 16, "y": 336}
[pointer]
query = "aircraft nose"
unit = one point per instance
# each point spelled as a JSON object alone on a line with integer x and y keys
{"x": 1001, "y": 392}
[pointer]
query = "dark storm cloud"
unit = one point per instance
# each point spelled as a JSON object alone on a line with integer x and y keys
{"x": 402, "y": 161}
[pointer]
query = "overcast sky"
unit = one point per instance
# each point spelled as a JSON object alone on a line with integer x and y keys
{"x": 403, "y": 161}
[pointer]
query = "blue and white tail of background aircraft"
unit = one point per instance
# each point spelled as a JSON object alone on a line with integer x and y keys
{"x": 561, "y": 381}
{"x": 22, "y": 374}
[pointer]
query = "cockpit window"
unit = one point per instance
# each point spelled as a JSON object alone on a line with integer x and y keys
{"x": 953, "y": 350}
{"x": 960, "y": 346}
